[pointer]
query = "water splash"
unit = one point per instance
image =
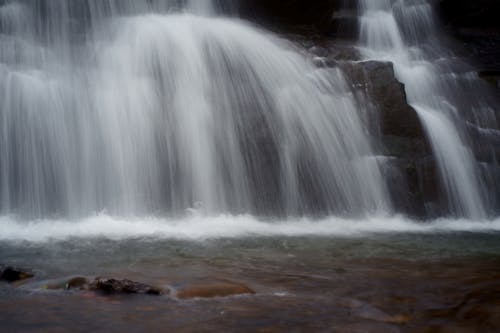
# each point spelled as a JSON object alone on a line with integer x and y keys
{"x": 200, "y": 228}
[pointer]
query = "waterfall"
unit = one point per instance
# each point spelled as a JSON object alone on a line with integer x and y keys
{"x": 142, "y": 108}
{"x": 439, "y": 87}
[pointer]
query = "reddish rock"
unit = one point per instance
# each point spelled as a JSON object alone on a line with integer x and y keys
{"x": 219, "y": 289}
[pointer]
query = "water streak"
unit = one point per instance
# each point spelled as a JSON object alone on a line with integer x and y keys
{"x": 138, "y": 108}
{"x": 438, "y": 86}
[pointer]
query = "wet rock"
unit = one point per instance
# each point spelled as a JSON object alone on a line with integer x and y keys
{"x": 344, "y": 24}
{"x": 491, "y": 76}
{"x": 321, "y": 62}
{"x": 345, "y": 52}
{"x": 319, "y": 51}
{"x": 396, "y": 116}
{"x": 12, "y": 274}
{"x": 76, "y": 283}
{"x": 402, "y": 180}
{"x": 409, "y": 166}
{"x": 210, "y": 290}
{"x": 476, "y": 26}
{"x": 287, "y": 14}
{"x": 123, "y": 287}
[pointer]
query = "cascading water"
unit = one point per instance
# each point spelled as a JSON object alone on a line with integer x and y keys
{"x": 132, "y": 108}
{"x": 163, "y": 117}
{"x": 442, "y": 90}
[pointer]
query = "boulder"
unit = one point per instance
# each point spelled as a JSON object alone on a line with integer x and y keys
{"x": 12, "y": 274}
{"x": 114, "y": 286}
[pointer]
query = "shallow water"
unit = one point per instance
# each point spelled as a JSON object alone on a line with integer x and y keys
{"x": 432, "y": 279}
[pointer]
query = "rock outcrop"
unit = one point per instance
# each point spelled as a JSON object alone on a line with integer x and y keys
{"x": 408, "y": 166}
{"x": 114, "y": 286}
{"x": 12, "y": 274}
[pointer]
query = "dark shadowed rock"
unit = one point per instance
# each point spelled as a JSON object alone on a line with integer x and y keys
{"x": 491, "y": 76}
{"x": 397, "y": 117}
{"x": 12, "y": 274}
{"x": 209, "y": 290}
{"x": 476, "y": 25}
{"x": 124, "y": 287}
{"x": 290, "y": 13}
{"x": 77, "y": 283}
{"x": 409, "y": 166}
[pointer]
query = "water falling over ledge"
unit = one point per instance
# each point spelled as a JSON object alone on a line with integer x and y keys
{"x": 406, "y": 34}
{"x": 159, "y": 113}
{"x": 158, "y": 108}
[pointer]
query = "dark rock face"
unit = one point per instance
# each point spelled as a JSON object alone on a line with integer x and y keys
{"x": 474, "y": 14}
{"x": 477, "y": 26}
{"x": 397, "y": 118}
{"x": 11, "y": 274}
{"x": 124, "y": 287}
{"x": 76, "y": 283}
{"x": 313, "y": 13}
{"x": 409, "y": 168}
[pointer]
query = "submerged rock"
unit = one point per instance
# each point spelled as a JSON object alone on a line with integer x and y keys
{"x": 210, "y": 290}
{"x": 12, "y": 274}
{"x": 124, "y": 287}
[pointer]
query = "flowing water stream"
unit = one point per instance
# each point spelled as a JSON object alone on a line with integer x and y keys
{"x": 161, "y": 113}
{"x": 440, "y": 88}
{"x": 135, "y": 108}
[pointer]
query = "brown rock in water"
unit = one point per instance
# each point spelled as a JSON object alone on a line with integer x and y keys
{"x": 76, "y": 283}
{"x": 377, "y": 78}
{"x": 124, "y": 287}
{"x": 220, "y": 289}
{"x": 11, "y": 274}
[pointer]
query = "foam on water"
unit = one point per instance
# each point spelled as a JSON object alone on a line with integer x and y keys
{"x": 198, "y": 228}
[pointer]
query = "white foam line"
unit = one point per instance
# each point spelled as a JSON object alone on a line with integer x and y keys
{"x": 202, "y": 228}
